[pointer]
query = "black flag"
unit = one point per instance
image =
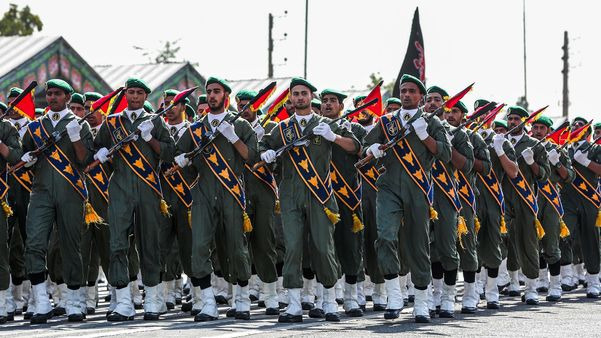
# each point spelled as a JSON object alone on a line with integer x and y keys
{"x": 415, "y": 61}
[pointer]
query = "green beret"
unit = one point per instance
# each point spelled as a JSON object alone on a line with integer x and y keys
{"x": 334, "y": 92}
{"x": 223, "y": 83}
{"x": 480, "y": 103}
{"x": 14, "y": 92}
{"x": 91, "y": 96}
{"x": 60, "y": 84}
{"x": 461, "y": 107}
{"x": 3, "y": 106}
{"x": 517, "y": 110}
{"x": 148, "y": 107}
{"x": 581, "y": 119}
{"x": 77, "y": 98}
{"x": 410, "y": 78}
{"x": 245, "y": 95}
{"x": 190, "y": 111}
{"x": 597, "y": 125}
{"x": 201, "y": 99}
{"x": 544, "y": 120}
{"x": 170, "y": 92}
{"x": 39, "y": 111}
{"x": 499, "y": 123}
{"x": 393, "y": 100}
{"x": 137, "y": 83}
{"x": 358, "y": 98}
{"x": 316, "y": 103}
{"x": 300, "y": 81}
{"x": 443, "y": 93}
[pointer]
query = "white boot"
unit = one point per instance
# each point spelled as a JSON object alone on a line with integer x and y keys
{"x": 393, "y": 289}
{"x": 169, "y": 287}
{"x": 579, "y": 272}
{"x": 530, "y": 293}
{"x": 361, "y": 295}
{"x": 73, "y": 304}
{"x": 351, "y": 302}
{"x": 410, "y": 288}
{"x": 3, "y": 309}
{"x": 368, "y": 287}
{"x": 437, "y": 285}
{"x": 379, "y": 295}
{"x": 42, "y": 302}
{"x": 209, "y": 306}
{"x": 62, "y": 292}
{"x": 113, "y": 301}
{"x": 136, "y": 295}
{"x": 308, "y": 292}
{"x": 282, "y": 292}
{"x": 503, "y": 278}
{"x": 10, "y": 305}
{"x": 514, "y": 284}
{"x": 294, "y": 302}
{"x": 542, "y": 283}
{"x": 593, "y": 287}
{"x": 319, "y": 296}
{"x": 420, "y": 307}
{"x": 404, "y": 290}
{"x": 566, "y": 272}
{"x": 481, "y": 281}
{"x": 17, "y": 295}
{"x": 254, "y": 286}
{"x": 196, "y": 300}
{"x": 330, "y": 306}
{"x": 471, "y": 297}
{"x": 179, "y": 290}
{"x": 153, "y": 302}
{"x": 554, "y": 293}
{"x": 447, "y": 299}
{"x": 242, "y": 298}
{"x": 492, "y": 293}
{"x": 30, "y": 301}
{"x": 125, "y": 306}
{"x": 91, "y": 294}
{"x": 271, "y": 296}
{"x": 339, "y": 288}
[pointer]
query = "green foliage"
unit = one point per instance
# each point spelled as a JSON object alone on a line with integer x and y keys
{"x": 17, "y": 22}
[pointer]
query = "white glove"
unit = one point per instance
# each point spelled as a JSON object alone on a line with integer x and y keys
{"x": 268, "y": 156}
{"x": 375, "y": 150}
{"x": 29, "y": 159}
{"x": 73, "y": 129}
{"x": 581, "y": 158}
{"x": 528, "y": 156}
{"x": 347, "y": 125}
{"x": 554, "y": 157}
{"x": 420, "y": 126}
{"x": 226, "y": 129}
{"x": 145, "y": 128}
{"x": 102, "y": 155}
{"x": 497, "y": 141}
{"x": 323, "y": 129}
{"x": 260, "y": 131}
{"x": 181, "y": 160}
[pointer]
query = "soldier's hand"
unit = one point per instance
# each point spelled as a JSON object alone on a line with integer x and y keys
{"x": 375, "y": 150}
{"x": 528, "y": 156}
{"x": 181, "y": 160}
{"x": 73, "y": 129}
{"x": 227, "y": 129}
{"x": 145, "y": 128}
{"x": 421, "y": 128}
{"x": 347, "y": 125}
{"x": 554, "y": 156}
{"x": 324, "y": 130}
{"x": 29, "y": 159}
{"x": 497, "y": 141}
{"x": 582, "y": 158}
{"x": 268, "y": 156}
{"x": 102, "y": 155}
{"x": 260, "y": 131}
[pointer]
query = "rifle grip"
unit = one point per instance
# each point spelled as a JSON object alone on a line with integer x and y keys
{"x": 364, "y": 161}
{"x": 258, "y": 165}
{"x": 91, "y": 166}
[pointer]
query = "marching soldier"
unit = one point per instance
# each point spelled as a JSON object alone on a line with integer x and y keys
{"x": 57, "y": 182}
{"x": 404, "y": 201}
{"x": 76, "y": 105}
{"x": 135, "y": 198}
{"x": 306, "y": 198}
{"x": 219, "y": 209}
{"x": 201, "y": 106}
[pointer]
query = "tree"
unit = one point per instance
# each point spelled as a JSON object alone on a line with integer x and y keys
{"x": 375, "y": 78}
{"x": 19, "y": 22}
{"x": 167, "y": 54}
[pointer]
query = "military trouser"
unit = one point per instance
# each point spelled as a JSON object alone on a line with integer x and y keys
{"x": 370, "y": 233}
{"x": 443, "y": 240}
{"x": 549, "y": 219}
{"x": 4, "y": 253}
{"x": 54, "y": 259}
{"x": 134, "y": 210}
{"x": 466, "y": 245}
{"x": 95, "y": 247}
{"x": 173, "y": 263}
{"x": 580, "y": 216}
{"x": 523, "y": 241}
{"x": 217, "y": 218}
{"x": 260, "y": 208}
{"x": 489, "y": 237}
{"x": 176, "y": 240}
{"x": 302, "y": 213}
{"x": 349, "y": 245}
{"x": 16, "y": 256}
{"x": 280, "y": 248}
{"x": 66, "y": 210}
{"x": 407, "y": 211}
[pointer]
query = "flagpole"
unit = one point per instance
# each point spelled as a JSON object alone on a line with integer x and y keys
{"x": 524, "y": 36}
{"x": 306, "y": 33}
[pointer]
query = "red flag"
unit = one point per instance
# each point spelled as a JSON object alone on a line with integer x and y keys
{"x": 579, "y": 133}
{"x": 262, "y": 96}
{"x": 26, "y": 107}
{"x": 181, "y": 97}
{"x": 276, "y": 106}
{"x": 281, "y": 115}
{"x": 450, "y": 103}
{"x": 559, "y": 135}
{"x": 375, "y": 109}
{"x": 491, "y": 116}
{"x": 482, "y": 110}
{"x": 104, "y": 101}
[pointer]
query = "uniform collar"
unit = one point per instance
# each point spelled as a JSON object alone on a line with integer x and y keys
{"x": 370, "y": 127}
{"x": 95, "y": 129}
{"x": 303, "y": 120}
{"x": 215, "y": 119}
{"x": 19, "y": 123}
{"x": 406, "y": 115}
{"x": 516, "y": 139}
{"x": 133, "y": 115}
{"x": 176, "y": 128}
{"x": 56, "y": 116}
{"x": 255, "y": 122}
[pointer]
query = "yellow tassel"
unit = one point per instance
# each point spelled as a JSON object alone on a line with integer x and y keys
{"x": 477, "y": 224}
{"x": 165, "y": 208}
{"x": 540, "y": 232}
{"x": 357, "y": 224}
{"x": 247, "y": 225}
{"x": 8, "y": 211}
{"x": 433, "y": 214}
{"x": 461, "y": 229}
{"x": 333, "y": 217}
{"x": 563, "y": 229}
{"x": 598, "y": 221}
{"x": 503, "y": 225}
{"x": 277, "y": 208}
{"x": 91, "y": 215}
{"x": 190, "y": 218}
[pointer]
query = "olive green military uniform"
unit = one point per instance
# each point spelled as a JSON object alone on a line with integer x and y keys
{"x": 216, "y": 215}
{"x": 370, "y": 233}
{"x": 402, "y": 206}
{"x": 302, "y": 212}
{"x": 54, "y": 202}
{"x": 10, "y": 137}
{"x": 523, "y": 240}
{"x": 134, "y": 204}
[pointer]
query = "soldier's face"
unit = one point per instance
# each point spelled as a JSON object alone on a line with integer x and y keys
{"x": 216, "y": 97}
{"x": 410, "y": 95}
{"x": 500, "y": 130}
{"x": 597, "y": 133}
{"x": 539, "y": 131}
{"x": 93, "y": 119}
{"x": 167, "y": 100}
{"x": 433, "y": 102}
{"x": 247, "y": 114}
{"x": 577, "y": 124}
{"x": 201, "y": 108}
{"x": 330, "y": 106}
{"x": 392, "y": 107}
{"x": 300, "y": 96}
{"x": 57, "y": 99}
{"x": 453, "y": 117}
{"x": 514, "y": 120}
{"x": 14, "y": 114}
{"x": 135, "y": 98}
{"x": 174, "y": 115}
{"x": 77, "y": 109}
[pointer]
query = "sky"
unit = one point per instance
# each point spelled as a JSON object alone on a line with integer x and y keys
{"x": 465, "y": 41}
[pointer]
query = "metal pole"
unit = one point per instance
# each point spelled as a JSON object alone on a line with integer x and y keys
{"x": 565, "y": 71}
{"x": 525, "y": 77}
{"x": 270, "y": 49}
{"x": 306, "y": 33}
